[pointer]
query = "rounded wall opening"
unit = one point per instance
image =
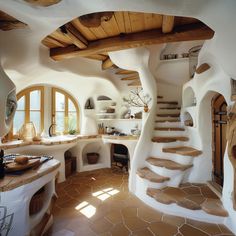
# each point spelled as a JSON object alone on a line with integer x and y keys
{"x": 189, "y": 98}
{"x": 188, "y": 120}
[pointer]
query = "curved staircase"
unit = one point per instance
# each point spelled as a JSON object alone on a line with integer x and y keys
{"x": 165, "y": 174}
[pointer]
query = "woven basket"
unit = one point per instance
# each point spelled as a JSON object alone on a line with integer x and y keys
{"x": 92, "y": 157}
{"x": 36, "y": 202}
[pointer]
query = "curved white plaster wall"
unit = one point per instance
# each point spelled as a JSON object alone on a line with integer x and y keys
{"x": 26, "y": 57}
{"x": 188, "y": 97}
{"x": 137, "y": 59}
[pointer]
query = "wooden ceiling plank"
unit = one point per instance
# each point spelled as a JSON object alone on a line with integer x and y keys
{"x": 135, "y": 83}
{"x": 106, "y": 64}
{"x": 59, "y": 36}
{"x": 110, "y": 27}
{"x": 75, "y": 36}
{"x": 136, "y": 21}
{"x": 168, "y": 23}
{"x": 191, "y": 32}
{"x": 120, "y": 21}
{"x": 99, "y": 57}
{"x": 126, "y": 72}
{"x": 99, "y": 32}
{"x": 86, "y": 32}
{"x": 134, "y": 77}
{"x": 52, "y": 43}
{"x": 128, "y": 28}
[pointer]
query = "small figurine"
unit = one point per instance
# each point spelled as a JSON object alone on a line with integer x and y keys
{"x": 2, "y": 165}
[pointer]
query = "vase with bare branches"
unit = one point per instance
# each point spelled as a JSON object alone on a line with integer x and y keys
{"x": 137, "y": 98}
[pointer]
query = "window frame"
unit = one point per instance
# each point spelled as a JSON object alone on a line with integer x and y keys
{"x": 66, "y": 111}
{"x": 26, "y": 92}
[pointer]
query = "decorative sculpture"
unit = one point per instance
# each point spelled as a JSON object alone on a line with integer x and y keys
{"x": 231, "y": 137}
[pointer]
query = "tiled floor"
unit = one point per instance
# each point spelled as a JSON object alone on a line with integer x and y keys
{"x": 99, "y": 203}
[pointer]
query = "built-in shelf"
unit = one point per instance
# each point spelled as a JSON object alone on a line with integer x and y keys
{"x": 175, "y": 59}
{"x": 120, "y": 119}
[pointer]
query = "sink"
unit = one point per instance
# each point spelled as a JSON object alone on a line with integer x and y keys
{"x": 59, "y": 138}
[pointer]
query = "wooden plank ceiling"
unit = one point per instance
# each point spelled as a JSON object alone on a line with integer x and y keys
{"x": 94, "y": 35}
{"x": 8, "y": 22}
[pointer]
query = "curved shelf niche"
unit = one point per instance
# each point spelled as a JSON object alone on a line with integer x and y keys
{"x": 189, "y": 98}
{"x": 188, "y": 120}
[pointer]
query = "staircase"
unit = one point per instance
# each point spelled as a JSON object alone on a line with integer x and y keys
{"x": 163, "y": 178}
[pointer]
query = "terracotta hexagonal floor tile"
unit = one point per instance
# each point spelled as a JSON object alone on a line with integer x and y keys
{"x": 163, "y": 229}
{"x": 119, "y": 230}
{"x": 175, "y": 193}
{"x": 214, "y": 207}
{"x": 135, "y": 223}
{"x": 129, "y": 212}
{"x": 144, "y": 232}
{"x": 173, "y": 220}
{"x": 114, "y": 217}
{"x": 191, "y": 190}
{"x": 207, "y": 193}
{"x": 225, "y": 230}
{"x": 212, "y": 229}
{"x": 188, "y": 230}
{"x": 149, "y": 215}
{"x": 199, "y": 199}
{"x": 164, "y": 198}
{"x": 100, "y": 226}
{"x": 188, "y": 204}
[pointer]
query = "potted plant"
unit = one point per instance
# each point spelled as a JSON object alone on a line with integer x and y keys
{"x": 72, "y": 126}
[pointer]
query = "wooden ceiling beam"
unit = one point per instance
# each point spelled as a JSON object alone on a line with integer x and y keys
{"x": 167, "y": 23}
{"x": 198, "y": 31}
{"x": 43, "y": 3}
{"x": 75, "y": 36}
{"x": 126, "y": 72}
{"x": 52, "y": 42}
{"x": 106, "y": 64}
{"x": 134, "y": 77}
{"x": 98, "y": 57}
{"x": 136, "y": 83}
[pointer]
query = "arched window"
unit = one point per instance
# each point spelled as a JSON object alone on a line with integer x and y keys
{"x": 30, "y": 108}
{"x": 65, "y": 112}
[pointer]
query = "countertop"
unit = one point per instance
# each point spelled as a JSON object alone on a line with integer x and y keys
{"x": 64, "y": 139}
{"x": 10, "y": 182}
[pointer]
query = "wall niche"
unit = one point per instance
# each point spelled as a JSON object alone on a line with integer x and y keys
{"x": 189, "y": 98}
{"x": 188, "y": 120}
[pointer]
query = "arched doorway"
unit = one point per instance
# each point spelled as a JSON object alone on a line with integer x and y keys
{"x": 219, "y": 125}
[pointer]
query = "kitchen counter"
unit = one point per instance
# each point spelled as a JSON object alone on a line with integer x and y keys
{"x": 127, "y": 137}
{"x": 14, "y": 181}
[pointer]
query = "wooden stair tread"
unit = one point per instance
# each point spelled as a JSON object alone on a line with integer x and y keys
{"x": 159, "y": 96}
{"x": 167, "y": 120}
{"x": 168, "y": 115}
{"x": 169, "y": 129}
{"x": 168, "y": 164}
{"x": 168, "y": 102}
{"x": 146, "y": 173}
{"x": 170, "y": 108}
{"x": 169, "y": 139}
{"x": 191, "y": 196}
{"x": 183, "y": 150}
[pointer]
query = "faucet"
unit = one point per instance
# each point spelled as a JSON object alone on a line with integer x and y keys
{"x": 50, "y": 129}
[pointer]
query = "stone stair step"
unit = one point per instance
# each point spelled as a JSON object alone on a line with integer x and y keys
{"x": 146, "y": 173}
{"x": 169, "y": 129}
{"x": 190, "y": 196}
{"x": 168, "y": 102}
{"x": 168, "y": 115}
{"x": 183, "y": 150}
{"x": 167, "y": 120}
{"x": 169, "y": 139}
{"x": 168, "y": 164}
{"x": 170, "y": 108}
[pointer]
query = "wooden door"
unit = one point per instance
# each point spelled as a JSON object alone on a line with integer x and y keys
{"x": 219, "y": 114}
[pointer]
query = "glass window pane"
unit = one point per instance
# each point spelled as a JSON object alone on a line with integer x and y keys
{"x": 19, "y": 120}
{"x": 59, "y": 121}
{"x": 35, "y": 97}
{"x": 60, "y": 102}
{"x": 35, "y": 118}
{"x": 71, "y": 106}
{"x": 72, "y": 122}
{"x": 21, "y": 103}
